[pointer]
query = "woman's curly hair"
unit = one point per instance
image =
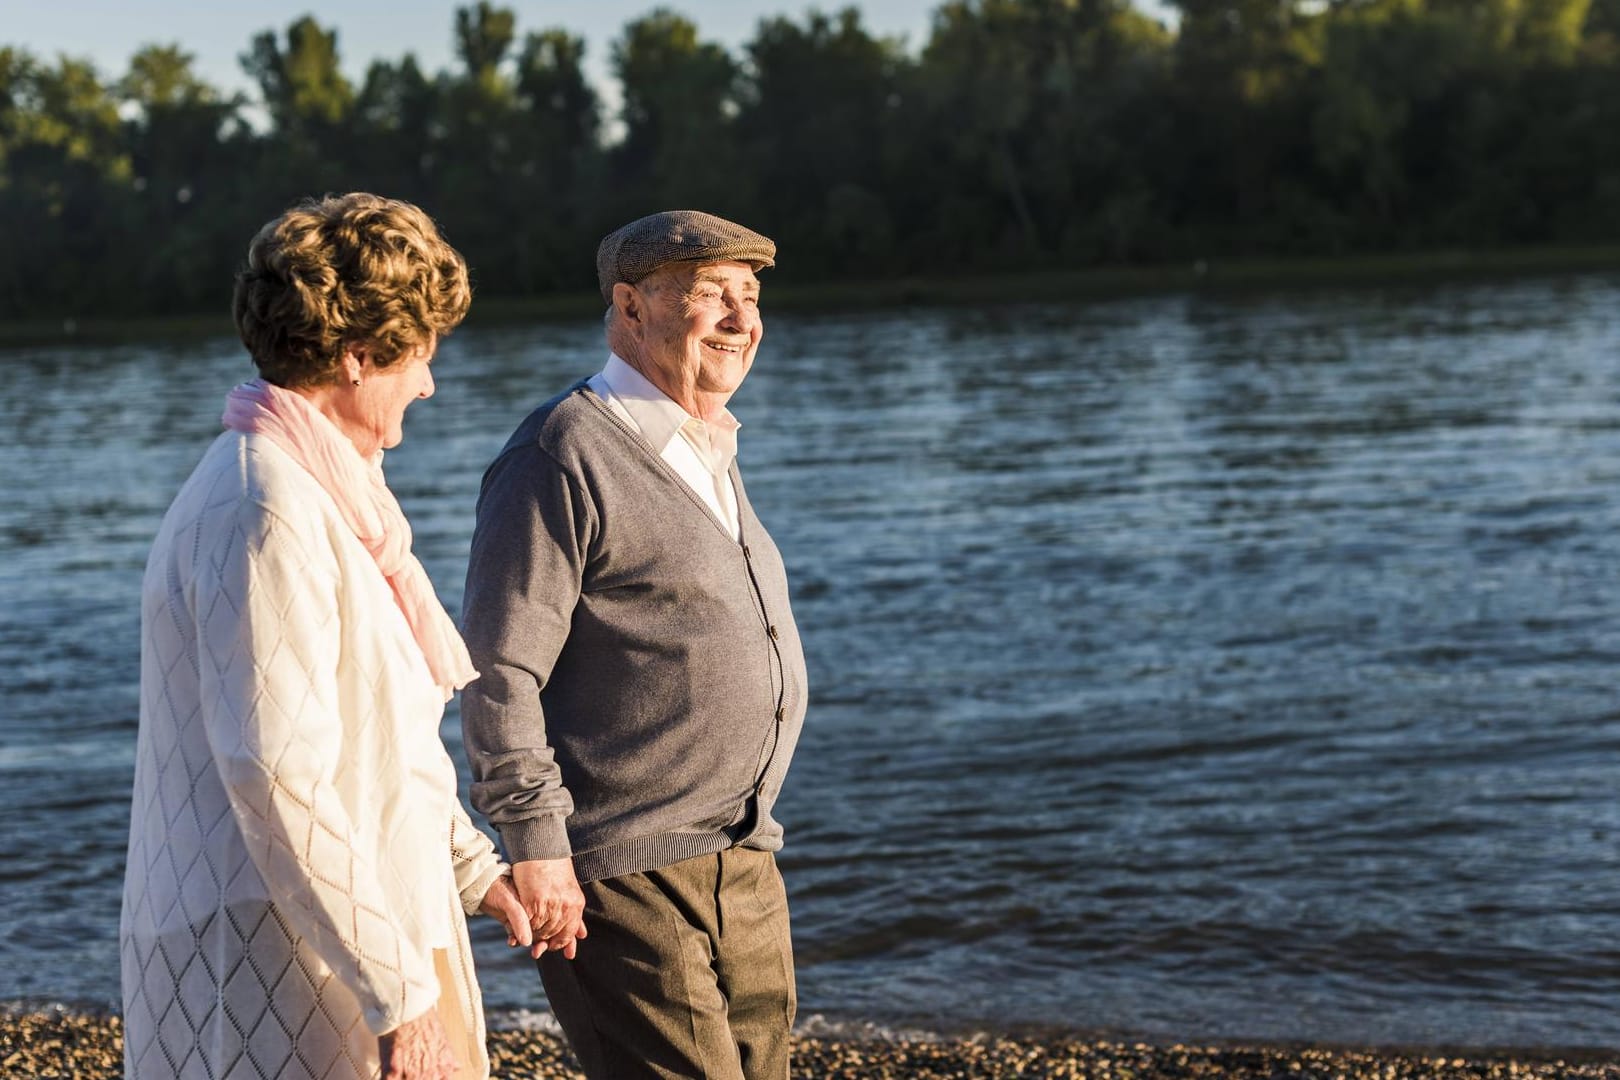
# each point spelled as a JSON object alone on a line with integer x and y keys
{"x": 345, "y": 270}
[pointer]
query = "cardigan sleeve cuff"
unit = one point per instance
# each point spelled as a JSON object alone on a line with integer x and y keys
{"x": 473, "y": 893}
{"x": 543, "y": 837}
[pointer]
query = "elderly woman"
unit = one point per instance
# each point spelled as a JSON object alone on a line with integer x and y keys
{"x": 299, "y": 863}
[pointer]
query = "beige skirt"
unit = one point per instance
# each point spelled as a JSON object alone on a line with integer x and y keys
{"x": 449, "y": 1009}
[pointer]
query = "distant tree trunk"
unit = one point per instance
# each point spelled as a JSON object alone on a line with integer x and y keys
{"x": 1015, "y": 193}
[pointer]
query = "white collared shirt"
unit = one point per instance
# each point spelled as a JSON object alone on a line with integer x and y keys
{"x": 702, "y": 453}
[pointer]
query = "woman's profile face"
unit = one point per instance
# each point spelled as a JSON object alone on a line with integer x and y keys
{"x": 374, "y": 411}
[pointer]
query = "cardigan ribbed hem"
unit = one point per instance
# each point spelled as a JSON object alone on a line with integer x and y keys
{"x": 647, "y": 853}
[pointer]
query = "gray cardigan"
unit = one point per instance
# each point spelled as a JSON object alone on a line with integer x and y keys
{"x": 642, "y": 684}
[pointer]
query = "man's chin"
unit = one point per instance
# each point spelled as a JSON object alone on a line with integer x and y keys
{"x": 726, "y": 378}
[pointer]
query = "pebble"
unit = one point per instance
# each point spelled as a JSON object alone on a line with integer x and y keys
{"x": 56, "y": 1044}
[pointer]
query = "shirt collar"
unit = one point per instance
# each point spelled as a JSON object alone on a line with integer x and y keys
{"x": 655, "y": 412}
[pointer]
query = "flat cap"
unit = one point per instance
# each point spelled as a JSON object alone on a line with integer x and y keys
{"x": 633, "y": 251}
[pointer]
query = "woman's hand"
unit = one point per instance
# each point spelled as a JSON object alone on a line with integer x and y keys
{"x": 418, "y": 1050}
{"x": 501, "y": 903}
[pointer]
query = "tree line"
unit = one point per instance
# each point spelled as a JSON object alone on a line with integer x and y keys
{"x": 1022, "y": 134}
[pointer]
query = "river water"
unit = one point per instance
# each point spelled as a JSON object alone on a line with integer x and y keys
{"x": 1187, "y": 667}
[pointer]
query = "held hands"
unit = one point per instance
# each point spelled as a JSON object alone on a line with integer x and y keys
{"x": 417, "y": 1050}
{"x": 501, "y": 903}
{"x": 540, "y": 905}
{"x": 553, "y": 907}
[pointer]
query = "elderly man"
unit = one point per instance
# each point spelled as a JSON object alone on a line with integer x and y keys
{"x": 643, "y": 685}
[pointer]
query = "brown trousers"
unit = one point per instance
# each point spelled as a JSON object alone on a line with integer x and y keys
{"x": 687, "y": 973}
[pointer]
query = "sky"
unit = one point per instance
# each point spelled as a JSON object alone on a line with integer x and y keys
{"x": 107, "y": 32}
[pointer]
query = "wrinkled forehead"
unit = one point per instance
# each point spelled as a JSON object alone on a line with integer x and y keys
{"x": 728, "y": 272}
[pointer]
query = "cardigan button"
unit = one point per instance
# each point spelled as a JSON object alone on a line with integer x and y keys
{"x": 781, "y": 714}
{"x": 774, "y": 635}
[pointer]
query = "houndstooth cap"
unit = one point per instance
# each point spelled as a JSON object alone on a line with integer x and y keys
{"x": 631, "y": 252}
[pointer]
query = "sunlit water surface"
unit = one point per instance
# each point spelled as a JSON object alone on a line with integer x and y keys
{"x": 1184, "y": 667}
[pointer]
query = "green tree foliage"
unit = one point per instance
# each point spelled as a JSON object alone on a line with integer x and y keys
{"x": 483, "y": 37}
{"x": 487, "y": 155}
{"x": 1250, "y": 50}
{"x": 679, "y": 104}
{"x": 820, "y": 124}
{"x": 1552, "y": 29}
{"x": 1379, "y": 76}
{"x": 1520, "y": 31}
{"x": 303, "y": 88}
{"x": 564, "y": 109}
{"x": 189, "y": 152}
{"x": 69, "y": 112}
{"x": 1025, "y": 116}
{"x": 160, "y": 77}
{"x": 67, "y": 172}
{"x": 563, "y": 166}
{"x": 16, "y": 69}
{"x": 396, "y": 117}
{"x": 1239, "y": 99}
{"x": 1602, "y": 21}
{"x": 1018, "y": 134}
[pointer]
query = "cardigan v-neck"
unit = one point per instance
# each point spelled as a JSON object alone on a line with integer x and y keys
{"x": 675, "y": 435}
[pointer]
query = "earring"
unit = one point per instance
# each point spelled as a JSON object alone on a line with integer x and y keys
{"x": 357, "y": 382}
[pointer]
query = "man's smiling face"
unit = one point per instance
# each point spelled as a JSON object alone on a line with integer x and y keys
{"x": 704, "y": 325}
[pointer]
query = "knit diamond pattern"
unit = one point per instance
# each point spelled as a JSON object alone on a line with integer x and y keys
{"x": 276, "y": 914}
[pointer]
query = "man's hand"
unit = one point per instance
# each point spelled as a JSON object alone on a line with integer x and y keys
{"x": 417, "y": 1050}
{"x": 553, "y": 902}
{"x": 501, "y": 903}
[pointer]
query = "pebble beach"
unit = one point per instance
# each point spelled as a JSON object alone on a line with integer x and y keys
{"x": 61, "y": 1044}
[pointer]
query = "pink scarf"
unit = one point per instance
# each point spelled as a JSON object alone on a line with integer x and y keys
{"x": 368, "y": 507}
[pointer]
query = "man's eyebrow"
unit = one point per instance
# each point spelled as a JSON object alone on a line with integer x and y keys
{"x": 710, "y": 278}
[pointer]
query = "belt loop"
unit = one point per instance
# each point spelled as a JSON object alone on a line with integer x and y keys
{"x": 719, "y": 892}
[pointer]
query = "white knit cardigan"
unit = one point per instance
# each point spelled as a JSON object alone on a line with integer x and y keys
{"x": 296, "y": 847}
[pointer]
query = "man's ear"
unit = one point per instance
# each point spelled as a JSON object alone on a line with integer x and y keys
{"x": 631, "y": 304}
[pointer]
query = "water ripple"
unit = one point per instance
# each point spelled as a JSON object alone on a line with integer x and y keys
{"x": 1234, "y": 667}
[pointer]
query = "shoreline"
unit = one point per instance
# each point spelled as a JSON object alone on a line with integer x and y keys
{"x": 43, "y": 1041}
{"x": 1212, "y": 276}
